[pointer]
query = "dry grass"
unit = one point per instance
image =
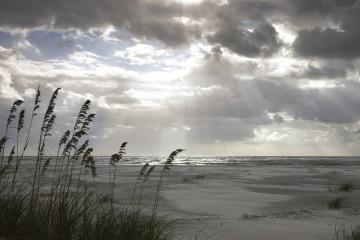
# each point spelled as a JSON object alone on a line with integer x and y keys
{"x": 346, "y": 187}
{"x": 335, "y": 203}
{"x": 71, "y": 209}
{"x": 343, "y": 232}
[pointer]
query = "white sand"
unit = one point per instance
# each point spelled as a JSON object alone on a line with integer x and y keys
{"x": 281, "y": 203}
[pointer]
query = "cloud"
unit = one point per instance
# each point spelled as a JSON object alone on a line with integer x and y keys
{"x": 142, "y": 54}
{"x": 315, "y": 43}
{"x": 6, "y": 90}
{"x": 328, "y": 70}
{"x": 321, "y": 7}
{"x": 78, "y": 14}
{"x": 227, "y": 95}
{"x": 117, "y": 101}
{"x": 336, "y": 40}
{"x": 278, "y": 118}
{"x": 245, "y": 28}
{"x": 262, "y": 41}
{"x": 330, "y": 105}
{"x": 309, "y": 7}
{"x": 139, "y": 17}
{"x": 345, "y": 3}
{"x": 25, "y": 45}
{"x": 84, "y": 57}
{"x": 170, "y": 32}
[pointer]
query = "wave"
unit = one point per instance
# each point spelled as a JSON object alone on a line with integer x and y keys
{"x": 232, "y": 160}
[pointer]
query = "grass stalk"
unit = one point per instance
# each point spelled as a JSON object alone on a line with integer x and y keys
{"x": 30, "y": 212}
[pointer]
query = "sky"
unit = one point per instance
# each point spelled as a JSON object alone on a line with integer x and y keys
{"x": 216, "y": 77}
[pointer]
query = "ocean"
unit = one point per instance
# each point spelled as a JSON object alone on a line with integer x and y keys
{"x": 231, "y": 160}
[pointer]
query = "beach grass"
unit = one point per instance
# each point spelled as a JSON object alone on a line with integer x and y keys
{"x": 346, "y": 187}
{"x": 69, "y": 208}
{"x": 343, "y": 232}
{"x": 335, "y": 203}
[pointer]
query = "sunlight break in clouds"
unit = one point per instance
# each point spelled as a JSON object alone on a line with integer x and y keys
{"x": 188, "y": 1}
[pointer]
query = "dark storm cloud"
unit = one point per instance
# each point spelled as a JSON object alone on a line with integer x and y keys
{"x": 245, "y": 28}
{"x": 326, "y": 71}
{"x": 309, "y": 7}
{"x": 137, "y": 16}
{"x": 65, "y": 14}
{"x": 320, "y": 7}
{"x": 171, "y": 32}
{"x": 329, "y": 42}
{"x": 345, "y": 3}
{"x": 250, "y": 10}
{"x": 262, "y": 41}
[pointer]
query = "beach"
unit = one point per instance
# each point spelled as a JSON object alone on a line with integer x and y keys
{"x": 249, "y": 202}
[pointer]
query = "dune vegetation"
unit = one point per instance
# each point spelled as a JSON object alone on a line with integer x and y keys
{"x": 62, "y": 204}
{"x": 344, "y": 232}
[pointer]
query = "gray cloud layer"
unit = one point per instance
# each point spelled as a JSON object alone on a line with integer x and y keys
{"x": 330, "y": 42}
{"x": 139, "y": 17}
{"x": 230, "y": 23}
{"x": 262, "y": 41}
